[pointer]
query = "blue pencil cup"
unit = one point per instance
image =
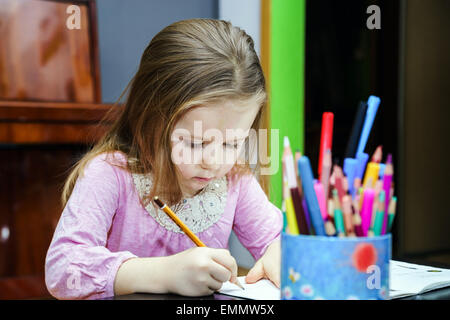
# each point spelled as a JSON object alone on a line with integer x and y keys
{"x": 331, "y": 268}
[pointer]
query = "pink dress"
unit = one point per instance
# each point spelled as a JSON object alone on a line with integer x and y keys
{"x": 104, "y": 223}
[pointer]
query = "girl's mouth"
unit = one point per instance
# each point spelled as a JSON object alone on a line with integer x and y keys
{"x": 202, "y": 179}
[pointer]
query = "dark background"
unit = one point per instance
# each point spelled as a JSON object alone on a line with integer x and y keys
{"x": 406, "y": 63}
{"x": 346, "y": 63}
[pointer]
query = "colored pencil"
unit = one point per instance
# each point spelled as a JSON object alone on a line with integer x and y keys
{"x": 297, "y": 156}
{"x": 379, "y": 215}
{"x": 326, "y": 137}
{"x": 392, "y": 209}
{"x": 366, "y": 210}
{"x": 372, "y": 107}
{"x": 387, "y": 181}
{"x": 348, "y": 215}
{"x": 358, "y": 122}
{"x": 371, "y": 172}
{"x": 293, "y": 188}
{"x": 290, "y": 211}
{"x": 304, "y": 167}
{"x": 325, "y": 174}
{"x": 377, "y": 155}
{"x": 357, "y": 216}
{"x": 338, "y": 215}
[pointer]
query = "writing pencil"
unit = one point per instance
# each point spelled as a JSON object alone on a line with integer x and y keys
{"x": 185, "y": 229}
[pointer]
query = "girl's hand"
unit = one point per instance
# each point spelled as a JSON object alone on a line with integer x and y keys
{"x": 268, "y": 266}
{"x": 199, "y": 271}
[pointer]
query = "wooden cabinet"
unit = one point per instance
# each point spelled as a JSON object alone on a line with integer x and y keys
{"x": 50, "y": 112}
{"x": 41, "y": 59}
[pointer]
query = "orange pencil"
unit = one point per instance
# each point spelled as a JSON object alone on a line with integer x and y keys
{"x": 180, "y": 223}
{"x": 185, "y": 229}
{"x": 348, "y": 215}
{"x": 377, "y": 155}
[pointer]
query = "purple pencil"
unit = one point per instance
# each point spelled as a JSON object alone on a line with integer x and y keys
{"x": 357, "y": 216}
{"x": 366, "y": 210}
{"x": 387, "y": 181}
{"x": 305, "y": 209}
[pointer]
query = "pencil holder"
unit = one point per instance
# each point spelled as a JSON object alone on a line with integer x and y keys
{"x": 332, "y": 268}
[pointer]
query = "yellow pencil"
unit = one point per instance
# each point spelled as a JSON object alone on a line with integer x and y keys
{"x": 371, "y": 176}
{"x": 290, "y": 211}
{"x": 185, "y": 229}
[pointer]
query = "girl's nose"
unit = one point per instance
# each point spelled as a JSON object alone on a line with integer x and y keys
{"x": 212, "y": 157}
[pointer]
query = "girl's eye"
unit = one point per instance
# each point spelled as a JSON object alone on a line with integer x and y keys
{"x": 196, "y": 145}
{"x": 193, "y": 145}
{"x": 231, "y": 145}
{"x": 200, "y": 145}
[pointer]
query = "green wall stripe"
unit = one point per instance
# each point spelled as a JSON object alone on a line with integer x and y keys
{"x": 287, "y": 57}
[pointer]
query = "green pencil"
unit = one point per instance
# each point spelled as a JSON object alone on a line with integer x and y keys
{"x": 391, "y": 212}
{"x": 338, "y": 215}
{"x": 379, "y": 215}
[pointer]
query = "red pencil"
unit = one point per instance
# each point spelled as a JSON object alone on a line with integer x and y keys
{"x": 326, "y": 137}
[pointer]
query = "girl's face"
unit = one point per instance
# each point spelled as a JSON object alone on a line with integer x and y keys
{"x": 207, "y": 141}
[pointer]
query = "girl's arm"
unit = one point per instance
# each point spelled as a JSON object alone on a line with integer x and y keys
{"x": 257, "y": 222}
{"x": 141, "y": 275}
{"x": 197, "y": 271}
{"x": 78, "y": 264}
{"x": 258, "y": 225}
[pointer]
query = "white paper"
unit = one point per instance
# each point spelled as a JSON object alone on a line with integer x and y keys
{"x": 261, "y": 290}
{"x": 406, "y": 279}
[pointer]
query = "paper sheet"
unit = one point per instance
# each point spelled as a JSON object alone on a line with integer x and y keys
{"x": 261, "y": 290}
{"x": 408, "y": 279}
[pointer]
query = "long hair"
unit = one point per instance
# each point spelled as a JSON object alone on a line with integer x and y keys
{"x": 189, "y": 63}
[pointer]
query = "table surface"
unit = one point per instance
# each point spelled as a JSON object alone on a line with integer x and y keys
{"x": 150, "y": 296}
{"x": 439, "y": 294}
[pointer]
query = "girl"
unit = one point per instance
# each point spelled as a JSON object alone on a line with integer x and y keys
{"x": 197, "y": 81}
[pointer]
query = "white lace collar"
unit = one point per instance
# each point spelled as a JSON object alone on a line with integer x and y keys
{"x": 198, "y": 213}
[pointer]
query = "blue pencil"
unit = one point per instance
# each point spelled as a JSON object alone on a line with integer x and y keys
{"x": 305, "y": 171}
{"x": 372, "y": 108}
{"x": 361, "y": 159}
{"x": 350, "y": 165}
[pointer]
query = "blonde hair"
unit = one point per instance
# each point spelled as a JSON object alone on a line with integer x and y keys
{"x": 189, "y": 63}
